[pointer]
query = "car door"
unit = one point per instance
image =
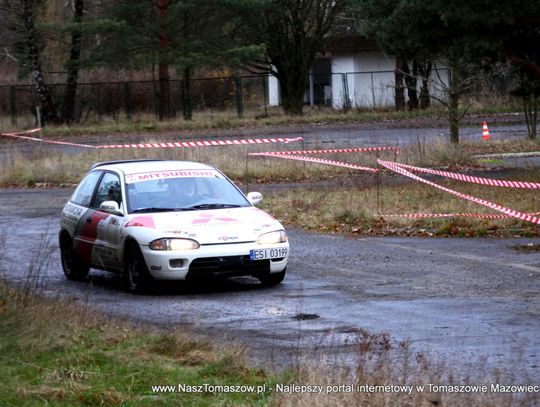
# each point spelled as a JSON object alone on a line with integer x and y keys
{"x": 107, "y": 225}
{"x": 79, "y": 213}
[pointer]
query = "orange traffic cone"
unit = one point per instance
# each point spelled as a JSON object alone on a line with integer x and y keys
{"x": 485, "y": 132}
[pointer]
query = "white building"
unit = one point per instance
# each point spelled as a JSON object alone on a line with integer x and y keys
{"x": 354, "y": 73}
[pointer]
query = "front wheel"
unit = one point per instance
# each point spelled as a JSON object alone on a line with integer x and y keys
{"x": 272, "y": 278}
{"x": 138, "y": 279}
{"x": 73, "y": 266}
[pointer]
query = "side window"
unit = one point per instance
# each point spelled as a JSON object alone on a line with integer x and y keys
{"x": 108, "y": 190}
{"x": 83, "y": 194}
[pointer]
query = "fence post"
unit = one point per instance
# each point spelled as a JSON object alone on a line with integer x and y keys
{"x": 346, "y": 99}
{"x": 13, "y": 104}
{"x": 183, "y": 97}
{"x": 127, "y": 99}
{"x": 373, "y": 90}
{"x": 265, "y": 94}
{"x": 38, "y": 117}
{"x": 311, "y": 89}
{"x": 239, "y": 100}
{"x": 98, "y": 96}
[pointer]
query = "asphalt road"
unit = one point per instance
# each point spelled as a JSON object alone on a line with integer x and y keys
{"x": 473, "y": 304}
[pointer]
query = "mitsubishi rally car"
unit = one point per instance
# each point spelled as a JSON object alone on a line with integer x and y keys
{"x": 168, "y": 220}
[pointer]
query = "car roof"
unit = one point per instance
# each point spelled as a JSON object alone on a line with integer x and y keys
{"x": 137, "y": 166}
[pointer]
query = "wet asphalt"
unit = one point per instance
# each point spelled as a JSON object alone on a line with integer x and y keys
{"x": 471, "y": 304}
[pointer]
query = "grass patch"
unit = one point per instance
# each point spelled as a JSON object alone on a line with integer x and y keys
{"x": 48, "y": 166}
{"x": 226, "y": 120}
{"x": 357, "y": 210}
{"x": 57, "y": 353}
{"x": 503, "y": 146}
{"x": 491, "y": 161}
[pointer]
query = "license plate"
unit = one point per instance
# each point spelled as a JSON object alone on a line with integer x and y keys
{"x": 262, "y": 254}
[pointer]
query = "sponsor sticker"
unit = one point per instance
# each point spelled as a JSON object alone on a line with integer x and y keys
{"x": 205, "y": 218}
{"x": 147, "y": 176}
{"x": 227, "y": 238}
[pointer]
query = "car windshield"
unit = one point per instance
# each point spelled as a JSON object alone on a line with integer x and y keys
{"x": 167, "y": 192}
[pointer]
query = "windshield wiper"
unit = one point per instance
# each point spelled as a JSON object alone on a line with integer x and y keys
{"x": 214, "y": 206}
{"x": 153, "y": 209}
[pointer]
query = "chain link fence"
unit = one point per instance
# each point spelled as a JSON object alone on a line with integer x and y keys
{"x": 212, "y": 97}
{"x": 233, "y": 96}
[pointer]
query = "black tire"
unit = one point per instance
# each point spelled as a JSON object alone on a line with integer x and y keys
{"x": 138, "y": 279}
{"x": 74, "y": 268}
{"x": 272, "y": 278}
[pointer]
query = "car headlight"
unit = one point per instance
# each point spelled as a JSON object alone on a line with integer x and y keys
{"x": 174, "y": 244}
{"x": 278, "y": 236}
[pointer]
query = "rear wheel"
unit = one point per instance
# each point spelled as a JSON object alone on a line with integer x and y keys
{"x": 138, "y": 279}
{"x": 273, "y": 278}
{"x": 73, "y": 267}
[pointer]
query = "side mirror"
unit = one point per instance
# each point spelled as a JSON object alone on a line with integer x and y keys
{"x": 254, "y": 197}
{"x": 111, "y": 207}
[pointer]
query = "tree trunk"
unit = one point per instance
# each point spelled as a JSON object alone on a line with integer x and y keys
{"x": 164, "y": 96}
{"x": 453, "y": 104}
{"x": 425, "y": 73}
{"x": 530, "y": 107}
{"x": 411, "y": 81}
{"x": 186, "y": 93}
{"x": 48, "y": 109}
{"x": 292, "y": 101}
{"x": 73, "y": 64}
{"x": 293, "y": 84}
{"x": 399, "y": 86}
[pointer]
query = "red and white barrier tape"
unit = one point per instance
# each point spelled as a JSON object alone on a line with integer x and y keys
{"x": 507, "y": 211}
{"x": 475, "y": 180}
{"x": 298, "y": 155}
{"x": 452, "y": 215}
{"x": 318, "y": 161}
{"x": 339, "y": 150}
{"x": 200, "y": 143}
{"x": 21, "y": 132}
{"x": 40, "y": 140}
{"x": 203, "y": 143}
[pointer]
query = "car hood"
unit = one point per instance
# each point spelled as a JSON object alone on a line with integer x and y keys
{"x": 210, "y": 226}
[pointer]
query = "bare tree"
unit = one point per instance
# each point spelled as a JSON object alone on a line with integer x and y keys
{"x": 292, "y": 32}
{"x": 23, "y": 16}
{"x": 73, "y": 64}
{"x": 449, "y": 92}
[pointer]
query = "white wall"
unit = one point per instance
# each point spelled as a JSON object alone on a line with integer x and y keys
{"x": 370, "y": 80}
{"x": 367, "y": 85}
{"x": 341, "y": 64}
{"x": 273, "y": 91}
{"x": 374, "y": 79}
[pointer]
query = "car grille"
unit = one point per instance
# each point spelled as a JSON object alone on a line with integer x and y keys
{"x": 227, "y": 266}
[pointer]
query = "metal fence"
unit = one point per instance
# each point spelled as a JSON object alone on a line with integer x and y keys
{"x": 136, "y": 99}
{"x": 227, "y": 96}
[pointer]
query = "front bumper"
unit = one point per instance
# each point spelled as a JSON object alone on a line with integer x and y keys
{"x": 211, "y": 261}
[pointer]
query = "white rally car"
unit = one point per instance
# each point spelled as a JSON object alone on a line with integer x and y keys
{"x": 168, "y": 220}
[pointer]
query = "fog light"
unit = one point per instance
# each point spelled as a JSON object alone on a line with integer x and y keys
{"x": 176, "y": 263}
